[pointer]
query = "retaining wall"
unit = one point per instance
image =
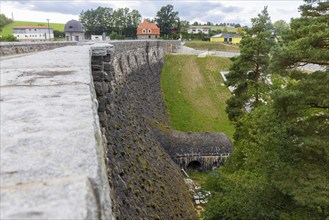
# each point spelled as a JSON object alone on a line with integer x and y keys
{"x": 12, "y": 48}
{"x": 145, "y": 181}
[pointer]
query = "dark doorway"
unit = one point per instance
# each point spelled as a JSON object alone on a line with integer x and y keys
{"x": 194, "y": 165}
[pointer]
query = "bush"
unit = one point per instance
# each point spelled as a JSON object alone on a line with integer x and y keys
{"x": 8, "y": 38}
{"x": 115, "y": 36}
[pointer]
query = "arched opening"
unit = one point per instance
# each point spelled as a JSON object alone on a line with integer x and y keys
{"x": 194, "y": 165}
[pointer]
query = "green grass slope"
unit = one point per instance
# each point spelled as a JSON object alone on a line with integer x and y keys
{"x": 194, "y": 93}
{"x": 7, "y": 30}
{"x": 212, "y": 46}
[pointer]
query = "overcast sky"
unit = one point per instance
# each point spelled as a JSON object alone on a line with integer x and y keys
{"x": 216, "y": 11}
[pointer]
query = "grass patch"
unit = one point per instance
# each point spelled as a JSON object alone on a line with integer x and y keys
{"x": 7, "y": 30}
{"x": 194, "y": 93}
{"x": 199, "y": 177}
{"x": 212, "y": 46}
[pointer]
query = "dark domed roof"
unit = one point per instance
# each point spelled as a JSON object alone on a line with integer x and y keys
{"x": 74, "y": 26}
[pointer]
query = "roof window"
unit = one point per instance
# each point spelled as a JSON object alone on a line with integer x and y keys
{"x": 149, "y": 30}
{"x": 144, "y": 31}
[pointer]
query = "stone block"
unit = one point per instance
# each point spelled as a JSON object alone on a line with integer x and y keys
{"x": 107, "y": 76}
{"x": 105, "y": 87}
{"x": 99, "y": 51}
{"x": 107, "y": 58}
{"x": 108, "y": 67}
{"x": 97, "y": 67}
{"x": 62, "y": 198}
{"x": 98, "y": 76}
{"x": 98, "y": 88}
{"x": 101, "y": 104}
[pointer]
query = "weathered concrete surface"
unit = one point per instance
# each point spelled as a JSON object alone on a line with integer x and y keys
{"x": 52, "y": 154}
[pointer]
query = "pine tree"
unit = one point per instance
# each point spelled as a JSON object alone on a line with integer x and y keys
{"x": 280, "y": 165}
{"x": 248, "y": 72}
{"x": 309, "y": 38}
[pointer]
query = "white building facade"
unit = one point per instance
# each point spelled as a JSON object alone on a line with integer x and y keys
{"x": 33, "y": 33}
{"x": 198, "y": 30}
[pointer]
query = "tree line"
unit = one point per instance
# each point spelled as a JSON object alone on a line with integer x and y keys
{"x": 280, "y": 165}
{"x": 224, "y": 24}
{"x": 122, "y": 22}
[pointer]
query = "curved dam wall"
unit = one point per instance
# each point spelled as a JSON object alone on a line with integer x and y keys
{"x": 79, "y": 138}
{"x": 12, "y": 48}
{"x": 145, "y": 182}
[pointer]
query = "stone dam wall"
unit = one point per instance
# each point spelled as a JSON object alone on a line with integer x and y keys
{"x": 81, "y": 135}
{"x": 12, "y": 48}
{"x": 145, "y": 182}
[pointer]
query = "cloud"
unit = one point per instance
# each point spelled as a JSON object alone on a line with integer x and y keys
{"x": 72, "y": 7}
{"x": 215, "y": 11}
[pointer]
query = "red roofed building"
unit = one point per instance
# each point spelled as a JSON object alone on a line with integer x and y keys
{"x": 147, "y": 30}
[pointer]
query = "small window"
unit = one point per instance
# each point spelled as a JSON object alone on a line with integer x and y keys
{"x": 70, "y": 27}
{"x": 149, "y": 30}
{"x": 149, "y": 36}
{"x": 35, "y": 29}
{"x": 144, "y": 31}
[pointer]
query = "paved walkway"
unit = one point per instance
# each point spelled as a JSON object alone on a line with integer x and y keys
{"x": 202, "y": 53}
{"x": 51, "y": 157}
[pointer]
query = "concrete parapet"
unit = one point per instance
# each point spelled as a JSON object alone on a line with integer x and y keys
{"x": 12, "y": 48}
{"x": 52, "y": 154}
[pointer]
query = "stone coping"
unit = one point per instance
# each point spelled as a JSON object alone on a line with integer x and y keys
{"x": 50, "y": 137}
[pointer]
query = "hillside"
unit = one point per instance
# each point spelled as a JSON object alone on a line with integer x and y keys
{"x": 194, "y": 93}
{"x": 7, "y": 30}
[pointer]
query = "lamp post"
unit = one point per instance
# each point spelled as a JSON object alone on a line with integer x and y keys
{"x": 48, "y": 28}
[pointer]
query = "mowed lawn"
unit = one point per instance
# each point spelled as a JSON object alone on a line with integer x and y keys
{"x": 7, "y": 30}
{"x": 212, "y": 46}
{"x": 194, "y": 93}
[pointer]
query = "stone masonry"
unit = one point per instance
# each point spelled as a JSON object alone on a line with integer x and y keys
{"x": 12, "y": 48}
{"x": 145, "y": 182}
{"x": 52, "y": 154}
{"x": 79, "y": 135}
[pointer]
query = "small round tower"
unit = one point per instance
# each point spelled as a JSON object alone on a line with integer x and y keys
{"x": 74, "y": 31}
